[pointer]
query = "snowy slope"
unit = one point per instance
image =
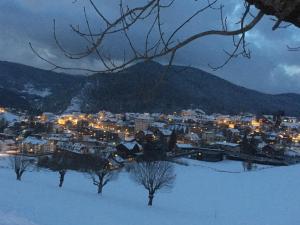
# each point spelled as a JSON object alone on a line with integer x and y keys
{"x": 201, "y": 196}
{"x": 9, "y": 117}
{"x": 31, "y": 90}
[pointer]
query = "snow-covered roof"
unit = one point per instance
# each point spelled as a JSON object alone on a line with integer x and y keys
{"x": 34, "y": 141}
{"x": 224, "y": 143}
{"x": 272, "y": 134}
{"x": 292, "y": 153}
{"x": 233, "y": 130}
{"x": 194, "y": 137}
{"x": 76, "y": 147}
{"x": 9, "y": 117}
{"x": 118, "y": 159}
{"x": 178, "y": 145}
{"x": 147, "y": 132}
{"x": 166, "y": 132}
{"x": 131, "y": 145}
{"x": 9, "y": 141}
{"x": 261, "y": 145}
{"x": 129, "y": 138}
{"x": 158, "y": 124}
{"x": 247, "y": 119}
{"x": 291, "y": 125}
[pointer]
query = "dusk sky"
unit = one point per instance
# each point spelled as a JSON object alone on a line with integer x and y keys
{"x": 272, "y": 68}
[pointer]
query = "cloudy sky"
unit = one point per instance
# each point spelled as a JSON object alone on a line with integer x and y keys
{"x": 272, "y": 68}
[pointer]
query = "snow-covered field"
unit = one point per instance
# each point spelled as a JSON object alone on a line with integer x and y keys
{"x": 204, "y": 194}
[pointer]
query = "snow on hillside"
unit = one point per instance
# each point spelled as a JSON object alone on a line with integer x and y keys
{"x": 9, "y": 117}
{"x": 75, "y": 106}
{"x": 268, "y": 196}
{"x": 30, "y": 89}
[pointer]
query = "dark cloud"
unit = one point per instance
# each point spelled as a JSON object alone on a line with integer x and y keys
{"x": 272, "y": 67}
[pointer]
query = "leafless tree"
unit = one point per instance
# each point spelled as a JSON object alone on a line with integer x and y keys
{"x": 154, "y": 176}
{"x": 61, "y": 165}
{"x": 62, "y": 174}
{"x": 283, "y": 10}
{"x": 248, "y": 165}
{"x": 20, "y": 164}
{"x": 101, "y": 174}
{"x": 158, "y": 42}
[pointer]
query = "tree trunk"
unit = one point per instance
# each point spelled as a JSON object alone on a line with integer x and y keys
{"x": 62, "y": 178}
{"x": 151, "y": 196}
{"x": 100, "y": 187}
{"x": 18, "y": 174}
{"x": 100, "y": 184}
{"x": 284, "y": 10}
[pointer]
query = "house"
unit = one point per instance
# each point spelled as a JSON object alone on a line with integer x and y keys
{"x": 210, "y": 156}
{"x": 143, "y": 122}
{"x": 228, "y": 146}
{"x": 184, "y": 147}
{"x": 271, "y": 137}
{"x": 208, "y": 137}
{"x": 76, "y": 148}
{"x": 7, "y": 145}
{"x": 115, "y": 161}
{"x": 145, "y": 135}
{"x": 128, "y": 149}
{"x": 272, "y": 151}
{"x": 193, "y": 137}
{"x": 35, "y": 145}
{"x": 105, "y": 135}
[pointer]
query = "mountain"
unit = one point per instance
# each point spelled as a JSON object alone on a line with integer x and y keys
{"x": 144, "y": 87}
{"x": 11, "y": 99}
{"x": 41, "y": 89}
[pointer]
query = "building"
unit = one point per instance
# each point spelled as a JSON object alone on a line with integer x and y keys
{"x": 142, "y": 123}
{"x": 210, "y": 156}
{"x": 128, "y": 149}
{"x": 227, "y": 146}
{"x": 208, "y": 137}
{"x": 36, "y": 146}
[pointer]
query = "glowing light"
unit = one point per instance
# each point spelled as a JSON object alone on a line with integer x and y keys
{"x": 255, "y": 123}
{"x": 231, "y": 126}
{"x": 61, "y": 121}
{"x": 2, "y": 110}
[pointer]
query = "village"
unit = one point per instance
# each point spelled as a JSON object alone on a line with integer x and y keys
{"x": 120, "y": 138}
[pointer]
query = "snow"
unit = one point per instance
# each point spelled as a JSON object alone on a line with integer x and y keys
{"x": 9, "y": 117}
{"x": 224, "y": 143}
{"x": 30, "y": 89}
{"x": 204, "y": 193}
{"x": 34, "y": 141}
{"x": 166, "y": 132}
{"x": 75, "y": 105}
{"x": 12, "y": 219}
{"x": 131, "y": 145}
{"x": 178, "y": 145}
{"x": 5, "y": 145}
{"x": 72, "y": 147}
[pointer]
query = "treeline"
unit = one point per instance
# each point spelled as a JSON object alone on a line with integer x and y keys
{"x": 153, "y": 175}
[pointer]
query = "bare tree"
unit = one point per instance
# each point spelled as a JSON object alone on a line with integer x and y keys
{"x": 154, "y": 176}
{"x": 61, "y": 165}
{"x": 62, "y": 174}
{"x": 248, "y": 165}
{"x": 101, "y": 174}
{"x": 20, "y": 164}
{"x": 58, "y": 162}
{"x": 283, "y": 10}
{"x": 160, "y": 42}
